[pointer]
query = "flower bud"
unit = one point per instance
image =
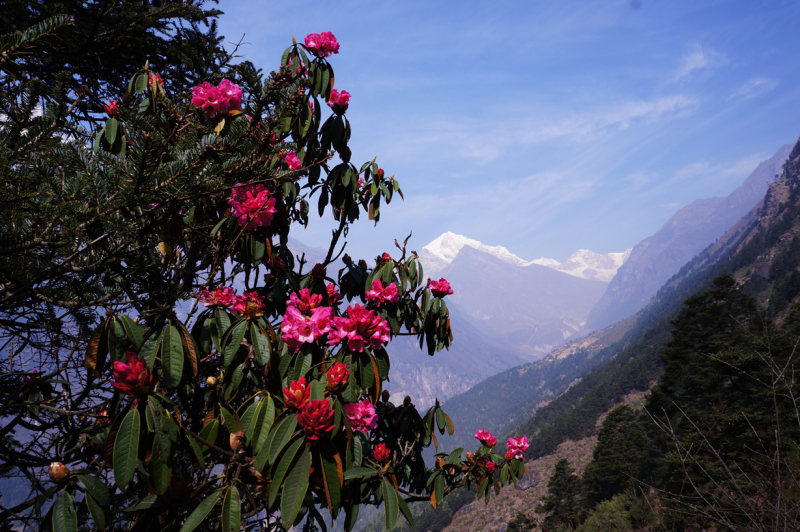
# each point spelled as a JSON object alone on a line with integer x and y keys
{"x": 381, "y": 453}
{"x": 338, "y": 376}
{"x": 211, "y": 381}
{"x": 385, "y": 396}
{"x": 318, "y": 273}
{"x": 362, "y": 264}
{"x": 58, "y": 472}
{"x": 236, "y": 440}
{"x": 380, "y": 173}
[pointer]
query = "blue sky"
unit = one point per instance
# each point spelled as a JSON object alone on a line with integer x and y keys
{"x": 547, "y": 127}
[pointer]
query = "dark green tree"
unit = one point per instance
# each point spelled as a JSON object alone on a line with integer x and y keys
{"x": 562, "y": 502}
{"x": 521, "y": 523}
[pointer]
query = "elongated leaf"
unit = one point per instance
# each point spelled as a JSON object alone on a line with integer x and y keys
{"x": 406, "y": 510}
{"x": 280, "y": 471}
{"x": 235, "y": 340}
{"x": 231, "y": 511}
{"x": 98, "y": 515}
{"x": 294, "y": 489}
{"x": 188, "y": 342}
{"x": 172, "y": 356}
{"x": 96, "y": 488}
{"x": 438, "y": 488}
{"x": 265, "y": 419}
{"x": 97, "y": 350}
{"x": 249, "y": 420}
{"x": 261, "y": 345}
{"x": 359, "y": 472}
{"x": 64, "y": 517}
{"x": 199, "y": 514}
{"x": 231, "y": 419}
{"x": 160, "y": 466}
{"x": 331, "y": 480}
{"x": 132, "y": 331}
{"x": 390, "y": 505}
{"x": 283, "y": 433}
{"x": 221, "y": 324}
{"x": 126, "y": 449}
{"x": 150, "y": 348}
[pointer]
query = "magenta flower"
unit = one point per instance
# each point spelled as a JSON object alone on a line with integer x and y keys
{"x": 111, "y": 107}
{"x": 296, "y": 393}
{"x": 252, "y": 205}
{"x": 133, "y": 379}
{"x": 517, "y": 447}
{"x": 305, "y": 320}
{"x": 154, "y": 79}
{"x": 322, "y": 44}
{"x": 221, "y": 297}
{"x": 339, "y": 101}
{"x": 316, "y": 418}
{"x": 489, "y": 466}
{"x": 334, "y": 297}
{"x": 486, "y": 438}
{"x": 304, "y": 300}
{"x": 440, "y": 288}
{"x": 212, "y": 100}
{"x": 362, "y": 328}
{"x": 361, "y": 182}
{"x": 362, "y": 415}
{"x": 381, "y": 453}
{"x": 338, "y": 376}
{"x": 381, "y": 295}
{"x": 293, "y": 161}
{"x": 249, "y": 304}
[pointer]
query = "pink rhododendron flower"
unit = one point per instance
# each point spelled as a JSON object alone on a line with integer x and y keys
{"x": 296, "y": 394}
{"x": 212, "y": 100}
{"x": 361, "y": 181}
{"x": 381, "y": 295}
{"x": 441, "y": 288}
{"x": 102, "y": 416}
{"x": 154, "y": 79}
{"x": 338, "y": 376}
{"x": 249, "y": 304}
{"x": 222, "y": 297}
{"x": 316, "y": 417}
{"x": 381, "y": 453}
{"x": 133, "y": 378}
{"x": 489, "y": 466}
{"x": 517, "y": 447}
{"x": 252, "y": 205}
{"x": 111, "y": 107}
{"x": 305, "y": 320}
{"x": 486, "y": 438}
{"x": 293, "y": 161}
{"x": 362, "y": 415}
{"x": 362, "y": 328}
{"x": 334, "y": 297}
{"x": 322, "y": 44}
{"x": 386, "y": 256}
{"x": 339, "y": 101}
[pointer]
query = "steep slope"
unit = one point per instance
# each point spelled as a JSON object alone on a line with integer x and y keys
{"x": 583, "y": 263}
{"x": 686, "y": 233}
{"x": 532, "y": 307}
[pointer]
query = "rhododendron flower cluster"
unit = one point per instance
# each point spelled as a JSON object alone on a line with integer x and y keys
{"x": 379, "y": 295}
{"x": 316, "y": 417}
{"x": 338, "y": 376}
{"x": 381, "y": 453}
{"x": 111, "y": 107}
{"x": 249, "y": 305}
{"x": 362, "y": 415}
{"x": 225, "y": 97}
{"x": 486, "y": 438}
{"x": 296, "y": 394}
{"x": 361, "y": 328}
{"x": 293, "y": 161}
{"x": 489, "y": 466}
{"x": 441, "y": 288}
{"x": 252, "y": 205}
{"x": 305, "y": 320}
{"x": 220, "y": 297}
{"x": 517, "y": 447}
{"x": 134, "y": 378}
{"x": 334, "y": 297}
{"x": 339, "y": 101}
{"x": 322, "y": 44}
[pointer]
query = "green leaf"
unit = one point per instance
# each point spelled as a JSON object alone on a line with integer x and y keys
{"x": 171, "y": 357}
{"x": 222, "y": 322}
{"x": 390, "y": 505}
{"x": 264, "y": 423}
{"x": 406, "y": 511}
{"x": 235, "y": 381}
{"x": 199, "y": 514}
{"x": 231, "y": 419}
{"x": 231, "y": 511}
{"x": 280, "y": 471}
{"x": 358, "y": 453}
{"x": 317, "y": 392}
{"x": 150, "y": 347}
{"x": 141, "y": 82}
{"x": 126, "y": 449}
{"x": 133, "y": 331}
{"x": 249, "y": 419}
{"x": 111, "y": 130}
{"x": 262, "y": 348}
{"x": 359, "y": 472}
{"x": 283, "y": 433}
{"x": 235, "y": 340}
{"x": 117, "y": 342}
{"x": 294, "y": 489}
{"x": 438, "y": 488}
{"x": 331, "y": 478}
{"x": 64, "y": 517}
{"x": 161, "y": 470}
{"x": 96, "y": 488}
{"x": 98, "y": 515}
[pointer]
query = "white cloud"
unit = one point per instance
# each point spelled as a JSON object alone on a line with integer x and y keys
{"x": 753, "y": 88}
{"x": 697, "y": 60}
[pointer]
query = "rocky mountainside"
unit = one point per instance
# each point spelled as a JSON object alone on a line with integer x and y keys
{"x": 657, "y": 258}
{"x": 583, "y": 263}
{"x": 532, "y": 307}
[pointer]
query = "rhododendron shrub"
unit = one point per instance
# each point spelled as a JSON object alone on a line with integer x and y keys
{"x": 226, "y": 383}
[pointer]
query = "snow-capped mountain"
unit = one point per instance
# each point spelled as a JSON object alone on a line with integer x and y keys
{"x": 583, "y": 263}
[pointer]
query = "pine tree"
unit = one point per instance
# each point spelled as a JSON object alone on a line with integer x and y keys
{"x": 562, "y": 502}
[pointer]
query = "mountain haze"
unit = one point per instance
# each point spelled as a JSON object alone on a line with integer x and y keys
{"x": 690, "y": 230}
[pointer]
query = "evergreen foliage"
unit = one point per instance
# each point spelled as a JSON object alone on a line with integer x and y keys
{"x": 562, "y": 502}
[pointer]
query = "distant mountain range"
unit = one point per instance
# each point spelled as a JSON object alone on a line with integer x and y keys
{"x": 690, "y": 230}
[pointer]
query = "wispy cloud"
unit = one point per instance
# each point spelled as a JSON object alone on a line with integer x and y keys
{"x": 754, "y": 88}
{"x": 702, "y": 58}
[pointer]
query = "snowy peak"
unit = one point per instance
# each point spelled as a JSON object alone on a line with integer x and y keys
{"x": 583, "y": 263}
